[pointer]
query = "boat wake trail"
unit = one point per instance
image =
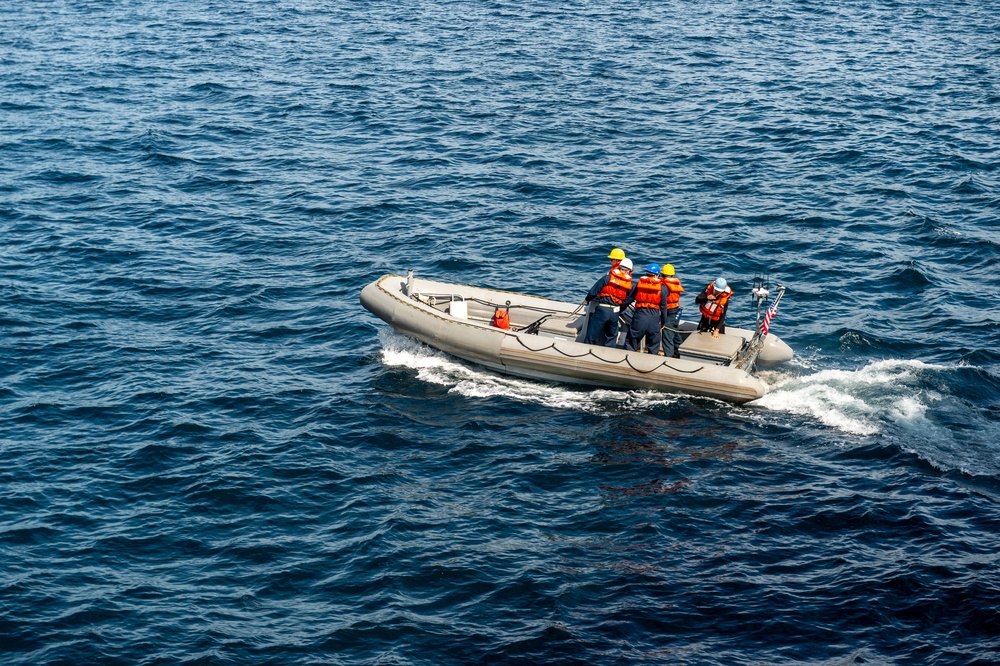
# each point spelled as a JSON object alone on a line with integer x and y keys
{"x": 914, "y": 404}
{"x": 858, "y": 402}
{"x": 438, "y": 368}
{"x": 907, "y": 403}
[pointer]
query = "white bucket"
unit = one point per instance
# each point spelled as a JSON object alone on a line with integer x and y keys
{"x": 459, "y": 310}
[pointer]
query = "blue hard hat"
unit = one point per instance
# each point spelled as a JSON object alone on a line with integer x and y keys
{"x": 721, "y": 284}
{"x": 653, "y": 268}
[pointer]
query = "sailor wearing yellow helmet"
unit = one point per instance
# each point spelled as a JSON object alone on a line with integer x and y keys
{"x": 672, "y": 314}
{"x": 609, "y": 292}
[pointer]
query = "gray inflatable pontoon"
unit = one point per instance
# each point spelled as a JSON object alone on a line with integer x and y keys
{"x": 543, "y": 341}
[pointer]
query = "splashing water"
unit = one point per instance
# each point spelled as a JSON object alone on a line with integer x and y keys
{"x": 858, "y": 402}
{"x": 438, "y": 368}
{"x": 911, "y": 403}
{"x": 907, "y": 401}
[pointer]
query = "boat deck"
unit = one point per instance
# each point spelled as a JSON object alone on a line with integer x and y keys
{"x": 695, "y": 346}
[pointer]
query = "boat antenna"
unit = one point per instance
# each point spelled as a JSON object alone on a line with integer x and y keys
{"x": 751, "y": 350}
{"x": 759, "y": 293}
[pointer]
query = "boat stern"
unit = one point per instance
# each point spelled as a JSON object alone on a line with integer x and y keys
{"x": 774, "y": 351}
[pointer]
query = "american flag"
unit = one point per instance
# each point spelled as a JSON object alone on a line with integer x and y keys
{"x": 764, "y": 325}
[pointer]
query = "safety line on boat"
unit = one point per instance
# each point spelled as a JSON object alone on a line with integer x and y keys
{"x": 626, "y": 360}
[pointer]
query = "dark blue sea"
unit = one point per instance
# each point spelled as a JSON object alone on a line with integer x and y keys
{"x": 211, "y": 454}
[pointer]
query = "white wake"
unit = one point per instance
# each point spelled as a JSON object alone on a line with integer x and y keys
{"x": 859, "y": 402}
{"x": 438, "y": 368}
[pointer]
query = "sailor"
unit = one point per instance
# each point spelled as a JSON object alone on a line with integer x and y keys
{"x": 672, "y": 315}
{"x": 714, "y": 301}
{"x": 609, "y": 292}
{"x": 650, "y": 303}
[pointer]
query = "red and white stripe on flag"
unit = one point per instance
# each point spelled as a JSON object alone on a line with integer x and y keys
{"x": 764, "y": 325}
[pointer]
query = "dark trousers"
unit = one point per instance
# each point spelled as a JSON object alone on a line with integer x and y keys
{"x": 645, "y": 324}
{"x": 603, "y": 326}
{"x": 672, "y": 339}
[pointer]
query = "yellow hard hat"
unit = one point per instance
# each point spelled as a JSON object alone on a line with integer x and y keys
{"x": 617, "y": 253}
{"x": 668, "y": 269}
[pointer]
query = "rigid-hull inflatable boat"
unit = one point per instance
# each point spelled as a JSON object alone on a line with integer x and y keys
{"x": 544, "y": 341}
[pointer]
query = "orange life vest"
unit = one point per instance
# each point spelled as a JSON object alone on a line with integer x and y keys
{"x": 501, "y": 318}
{"x": 674, "y": 295}
{"x": 617, "y": 288}
{"x": 647, "y": 292}
{"x": 713, "y": 309}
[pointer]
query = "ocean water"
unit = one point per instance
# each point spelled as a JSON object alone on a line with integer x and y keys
{"x": 213, "y": 455}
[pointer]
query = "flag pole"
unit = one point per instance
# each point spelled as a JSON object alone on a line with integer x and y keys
{"x": 752, "y": 349}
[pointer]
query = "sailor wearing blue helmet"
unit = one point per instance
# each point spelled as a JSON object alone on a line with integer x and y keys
{"x": 650, "y": 300}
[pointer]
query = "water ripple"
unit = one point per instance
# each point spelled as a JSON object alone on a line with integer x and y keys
{"x": 214, "y": 455}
